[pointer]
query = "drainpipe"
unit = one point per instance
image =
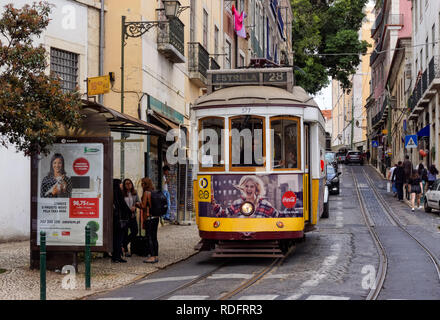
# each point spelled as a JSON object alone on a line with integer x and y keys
{"x": 101, "y": 47}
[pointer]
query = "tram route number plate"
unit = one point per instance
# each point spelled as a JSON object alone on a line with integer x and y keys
{"x": 204, "y": 189}
{"x": 275, "y": 77}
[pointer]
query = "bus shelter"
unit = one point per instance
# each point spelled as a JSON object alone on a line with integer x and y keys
{"x": 72, "y": 186}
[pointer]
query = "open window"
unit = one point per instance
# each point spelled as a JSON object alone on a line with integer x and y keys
{"x": 247, "y": 143}
{"x": 211, "y": 144}
{"x": 286, "y": 148}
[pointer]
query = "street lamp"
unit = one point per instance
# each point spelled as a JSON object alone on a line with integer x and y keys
{"x": 171, "y": 8}
{"x": 136, "y": 29}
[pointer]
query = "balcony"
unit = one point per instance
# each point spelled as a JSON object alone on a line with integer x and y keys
{"x": 213, "y": 64}
{"x": 425, "y": 88}
{"x": 395, "y": 20}
{"x": 170, "y": 41}
{"x": 198, "y": 64}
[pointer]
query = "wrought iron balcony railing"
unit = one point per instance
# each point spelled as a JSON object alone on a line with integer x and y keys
{"x": 214, "y": 65}
{"x": 171, "y": 40}
{"x": 198, "y": 63}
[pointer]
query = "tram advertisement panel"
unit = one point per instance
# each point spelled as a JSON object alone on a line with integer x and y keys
{"x": 252, "y": 196}
{"x": 70, "y": 194}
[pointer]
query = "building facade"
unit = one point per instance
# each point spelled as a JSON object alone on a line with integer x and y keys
{"x": 393, "y": 21}
{"x": 72, "y": 43}
{"x": 423, "y": 103}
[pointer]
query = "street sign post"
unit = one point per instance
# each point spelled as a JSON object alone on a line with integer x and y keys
{"x": 374, "y": 143}
{"x": 411, "y": 141}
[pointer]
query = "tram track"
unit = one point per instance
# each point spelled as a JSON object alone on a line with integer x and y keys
{"x": 260, "y": 274}
{"x": 395, "y": 221}
{"x": 383, "y": 259}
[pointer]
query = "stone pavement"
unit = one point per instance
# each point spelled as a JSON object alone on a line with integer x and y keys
{"x": 18, "y": 282}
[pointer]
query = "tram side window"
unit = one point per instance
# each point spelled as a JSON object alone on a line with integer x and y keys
{"x": 285, "y": 143}
{"x": 247, "y": 141}
{"x": 211, "y": 142}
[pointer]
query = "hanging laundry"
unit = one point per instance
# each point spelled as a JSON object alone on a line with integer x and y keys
{"x": 239, "y": 22}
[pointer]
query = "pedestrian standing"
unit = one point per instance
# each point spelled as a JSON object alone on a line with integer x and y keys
{"x": 399, "y": 178}
{"x": 165, "y": 178}
{"x": 151, "y": 220}
{"x": 423, "y": 174}
{"x": 368, "y": 156}
{"x": 408, "y": 168}
{"x": 393, "y": 183}
{"x": 121, "y": 214}
{"x": 432, "y": 175}
{"x": 132, "y": 200}
{"x": 416, "y": 190}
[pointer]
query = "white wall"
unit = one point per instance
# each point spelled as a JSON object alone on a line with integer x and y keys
{"x": 14, "y": 195}
{"x": 68, "y": 31}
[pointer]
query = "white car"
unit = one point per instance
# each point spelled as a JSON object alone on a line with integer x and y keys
{"x": 432, "y": 197}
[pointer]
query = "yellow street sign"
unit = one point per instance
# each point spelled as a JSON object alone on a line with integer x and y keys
{"x": 385, "y": 131}
{"x": 98, "y": 85}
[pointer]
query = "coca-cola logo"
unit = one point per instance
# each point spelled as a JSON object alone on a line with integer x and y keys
{"x": 289, "y": 199}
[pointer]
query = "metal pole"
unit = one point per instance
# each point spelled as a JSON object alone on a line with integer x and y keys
{"x": 42, "y": 265}
{"x": 122, "y": 152}
{"x": 101, "y": 46}
{"x": 87, "y": 257}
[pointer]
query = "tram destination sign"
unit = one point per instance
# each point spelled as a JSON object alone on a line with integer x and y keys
{"x": 280, "y": 77}
{"x": 229, "y": 78}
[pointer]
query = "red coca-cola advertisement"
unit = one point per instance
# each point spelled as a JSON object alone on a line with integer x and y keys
{"x": 268, "y": 196}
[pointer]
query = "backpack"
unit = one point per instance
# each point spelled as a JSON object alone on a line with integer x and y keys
{"x": 159, "y": 204}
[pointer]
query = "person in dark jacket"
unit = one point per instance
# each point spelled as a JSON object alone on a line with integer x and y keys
{"x": 408, "y": 168}
{"x": 399, "y": 178}
{"x": 121, "y": 214}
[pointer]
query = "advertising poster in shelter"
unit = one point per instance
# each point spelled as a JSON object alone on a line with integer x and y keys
{"x": 70, "y": 189}
{"x": 272, "y": 196}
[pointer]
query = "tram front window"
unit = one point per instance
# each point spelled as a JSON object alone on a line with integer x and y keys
{"x": 211, "y": 148}
{"x": 247, "y": 141}
{"x": 285, "y": 143}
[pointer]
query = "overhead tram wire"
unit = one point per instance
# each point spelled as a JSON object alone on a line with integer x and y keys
{"x": 369, "y": 53}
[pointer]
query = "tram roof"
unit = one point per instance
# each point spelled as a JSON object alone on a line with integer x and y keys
{"x": 257, "y": 95}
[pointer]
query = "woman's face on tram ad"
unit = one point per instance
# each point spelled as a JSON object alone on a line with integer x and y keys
{"x": 250, "y": 190}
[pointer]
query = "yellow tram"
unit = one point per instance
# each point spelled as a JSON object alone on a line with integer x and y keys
{"x": 259, "y": 149}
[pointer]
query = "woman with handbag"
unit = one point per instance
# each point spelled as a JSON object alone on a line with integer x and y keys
{"x": 121, "y": 214}
{"x": 151, "y": 222}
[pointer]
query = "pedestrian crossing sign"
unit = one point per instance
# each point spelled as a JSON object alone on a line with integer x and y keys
{"x": 411, "y": 141}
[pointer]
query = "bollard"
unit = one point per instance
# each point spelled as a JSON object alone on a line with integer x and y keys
{"x": 42, "y": 265}
{"x": 87, "y": 257}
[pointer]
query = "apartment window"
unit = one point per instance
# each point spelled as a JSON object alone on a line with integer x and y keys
{"x": 228, "y": 55}
{"x": 205, "y": 29}
{"x": 241, "y": 8}
{"x": 427, "y": 49}
{"x": 64, "y": 64}
{"x": 242, "y": 60}
{"x": 415, "y": 15}
{"x": 216, "y": 34}
{"x": 421, "y": 59}
{"x": 421, "y": 11}
{"x": 433, "y": 38}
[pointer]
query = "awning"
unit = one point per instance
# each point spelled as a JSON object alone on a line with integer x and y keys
{"x": 120, "y": 122}
{"x": 424, "y": 132}
{"x": 167, "y": 123}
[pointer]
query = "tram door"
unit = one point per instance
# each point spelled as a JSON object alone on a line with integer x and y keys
{"x": 307, "y": 174}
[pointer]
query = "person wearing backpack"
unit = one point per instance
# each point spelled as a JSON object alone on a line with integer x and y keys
{"x": 154, "y": 205}
{"x": 423, "y": 174}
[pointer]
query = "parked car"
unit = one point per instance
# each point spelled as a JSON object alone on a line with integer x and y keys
{"x": 332, "y": 180}
{"x": 330, "y": 157}
{"x": 354, "y": 157}
{"x": 432, "y": 197}
{"x": 340, "y": 157}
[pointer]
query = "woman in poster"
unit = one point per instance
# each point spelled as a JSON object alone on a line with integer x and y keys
{"x": 253, "y": 191}
{"x": 56, "y": 184}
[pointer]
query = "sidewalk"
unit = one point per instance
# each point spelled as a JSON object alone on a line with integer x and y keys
{"x": 18, "y": 282}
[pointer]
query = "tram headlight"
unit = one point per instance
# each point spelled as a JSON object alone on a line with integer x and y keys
{"x": 247, "y": 208}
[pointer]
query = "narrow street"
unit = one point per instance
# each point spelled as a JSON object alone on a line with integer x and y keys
{"x": 335, "y": 262}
